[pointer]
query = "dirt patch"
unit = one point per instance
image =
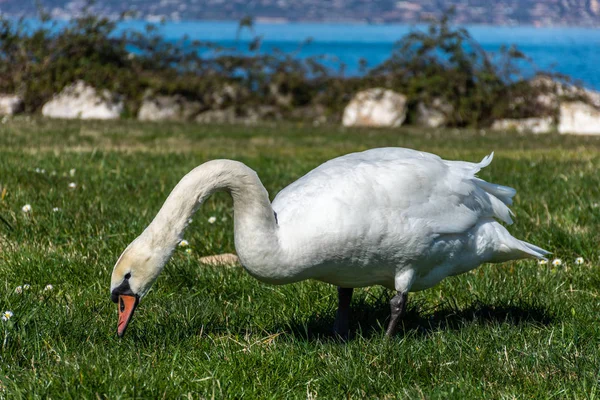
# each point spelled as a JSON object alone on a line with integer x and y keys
{"x": 221, "y": 260}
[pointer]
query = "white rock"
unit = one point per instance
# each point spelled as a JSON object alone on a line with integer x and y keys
{"x": 81, "y": 101}
{"x": 376, "y": 107}
{"x": 167, "y": 108}
{"x": 10, "y": 104}
{"x": 533, "y": 125}
{"x": 579, "y": 118}
{"x": 225, "y": 96}
{"x": 434, "y": 115}
{"x": 592, "y": 96}
{"x": 562, "y": 89}
{"x": 156, "y": 109}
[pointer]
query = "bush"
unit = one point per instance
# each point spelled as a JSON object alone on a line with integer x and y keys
{"x": 439, "y": 63}
{"x": 447, "y": 63}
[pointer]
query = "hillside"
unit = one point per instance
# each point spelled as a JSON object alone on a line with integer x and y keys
{"x": 500, "y": 12}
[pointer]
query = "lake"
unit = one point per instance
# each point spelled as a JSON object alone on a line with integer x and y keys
{"x": 571, "y": 51}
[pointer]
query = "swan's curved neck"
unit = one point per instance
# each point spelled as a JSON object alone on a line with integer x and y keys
{"x": 256, "y": 230}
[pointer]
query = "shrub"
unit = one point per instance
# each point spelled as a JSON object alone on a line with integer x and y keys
{"x": 441, "y": 62}
{"x": 447, "y": 63}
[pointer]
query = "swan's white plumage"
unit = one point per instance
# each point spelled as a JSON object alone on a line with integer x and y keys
{"x": 394, "y": 216}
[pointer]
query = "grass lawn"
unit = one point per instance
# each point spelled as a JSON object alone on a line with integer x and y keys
{"x": 517, "y": 330}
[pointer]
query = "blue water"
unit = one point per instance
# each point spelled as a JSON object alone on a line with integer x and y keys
{"x": 572, "y": 51}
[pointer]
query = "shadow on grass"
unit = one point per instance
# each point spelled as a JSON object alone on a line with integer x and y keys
{"x": 366, "y": 319}
{"x": 371, "y": 320}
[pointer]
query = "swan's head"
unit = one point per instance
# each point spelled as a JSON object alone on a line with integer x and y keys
{"x": 133, "y": 275}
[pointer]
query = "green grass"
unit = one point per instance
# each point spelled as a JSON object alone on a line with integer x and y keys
{"x": 517, "y": 330}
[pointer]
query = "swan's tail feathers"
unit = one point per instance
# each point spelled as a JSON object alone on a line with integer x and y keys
{"x": 534, "y": 251}
{"x": 503, "y": 193}
{"x": 471, "y": 168}
{"x": 487, "y": 160}
{"x": 500, "y": 197}
{"x": 499, "y": 245}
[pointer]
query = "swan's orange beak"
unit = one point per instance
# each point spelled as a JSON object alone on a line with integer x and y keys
{"x": 127, "y": 305}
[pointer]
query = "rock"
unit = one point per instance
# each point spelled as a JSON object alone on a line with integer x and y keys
{"x": 10, "y": 104}
{"x": 219, "y": 260}
{"x": 225, "y": 96}
{"x": 540, "y": 99}
{"x": 260, "y": 113}
{"x": 546, "y": 95}
{"x": 168, "y": 108}
{"x": 81, "y": 101}
{"x": 317, "y": 114}
{"x": 251, "y": 115}
{"x": 533, "y": 125}
{"x": 593, "y": 97}
{"x": 578, "y": 108}
{"x": 227, "y": 115}
{"x": 376, "y": 107}
{"x": 555, "y": 89}
{"x": 434, "y": 115}
{"x": 579, "y": 118}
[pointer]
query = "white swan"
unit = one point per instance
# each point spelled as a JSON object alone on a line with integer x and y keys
{"x": 395, "y": 217}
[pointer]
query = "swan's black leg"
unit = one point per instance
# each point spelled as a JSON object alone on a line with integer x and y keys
{"x": 340, "y": 327}
{"x": 398, "y": 305}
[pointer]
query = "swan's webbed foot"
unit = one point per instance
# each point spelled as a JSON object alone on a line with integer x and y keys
{"x": 397, "y": 305}
{"x": 340, "y": 326}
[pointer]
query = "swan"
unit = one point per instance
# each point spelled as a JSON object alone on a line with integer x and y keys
{"x": 395, "y": 217}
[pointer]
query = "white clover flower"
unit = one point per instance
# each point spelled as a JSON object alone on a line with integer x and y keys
{"x": 19, "y": 289}
{"x": 53, "y": 173}
{"x": 7, "y": 315}
{"x": 557, "y": 262}
{"x": 37, "y": 170}
{"x": 190, "y": 221}
{"x": 26, "y": 208}
{"x": 188, "y": 250}
{"x": 212, "y": 220}
{"x": 26, "y": 286}
{"x": 55, "y": 209}
{"x": 542, "y": 262}
{"x": 72, "y": 172}
{"x": 579, "y": 260}
{"x": 72, "y": 185}
{"x": 184, "y": 243}
{"x": 48, "y": 288}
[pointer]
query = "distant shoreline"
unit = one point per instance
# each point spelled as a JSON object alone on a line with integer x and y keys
{"x": 285, "y": 21}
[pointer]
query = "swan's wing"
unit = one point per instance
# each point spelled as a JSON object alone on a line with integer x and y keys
{"x": 363, "y": 218}
{"x": 444, "y": 195}
{"x": 395, "y": 201}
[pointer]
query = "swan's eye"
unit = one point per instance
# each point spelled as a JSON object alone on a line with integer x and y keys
{"x": 128, "y": 275}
